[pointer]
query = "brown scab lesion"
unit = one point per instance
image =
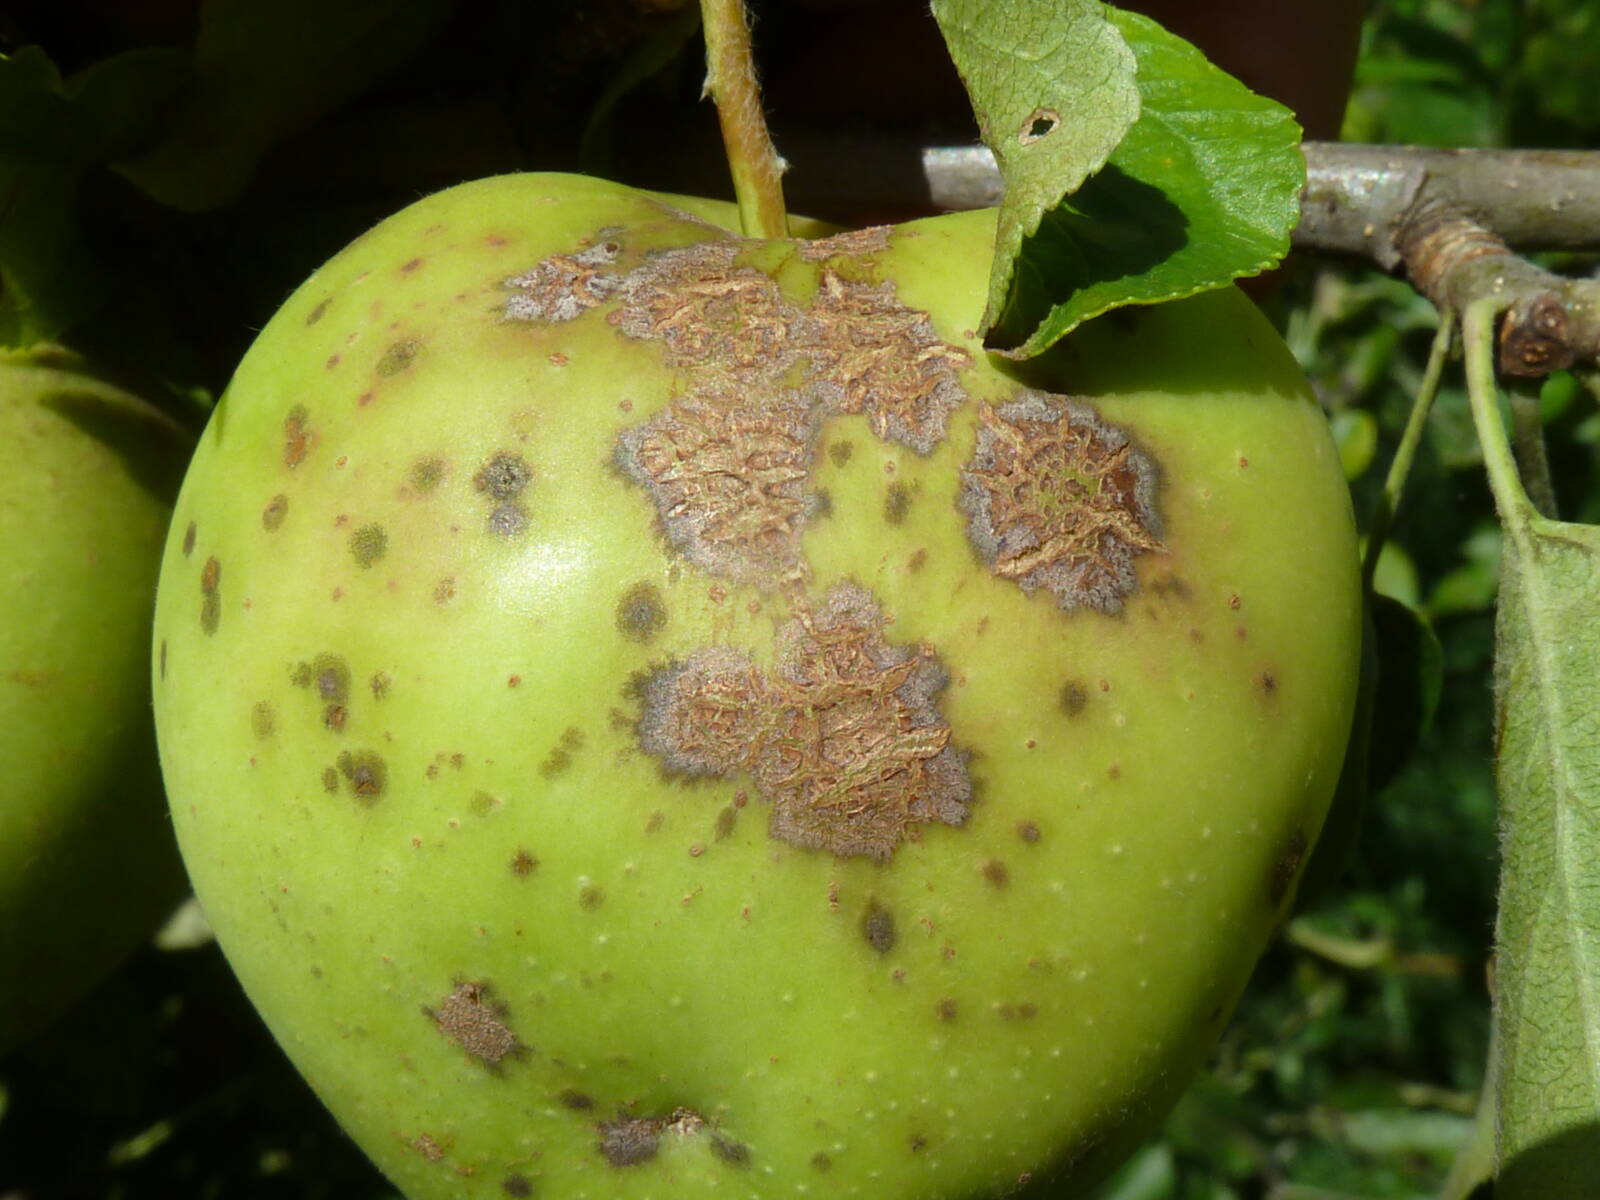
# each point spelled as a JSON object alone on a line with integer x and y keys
{"x": 628, "y": 1141}
{"x": 1058, "y": 499}
{"x": 851, "y": 243}
{"x": 328, "y": 675}
{"x": 1286, "y": 867}
{"x": 471, "y": 1019}
{"x": 425, "y": 474}
{"x": 263, "y": 720}
{"x": 210, "y": 595}
{"x": 189, "y": 534}
{"x": 299, "y": 438}
{"x": 365, "y": 774}
{"x": 877, "y": 927}
{"x": 559, "y": 760}
{"x": 273, "y": 514}
{"x": 728, "y": 475}
{"x": 398, "y": 357}
{"x": 641, "y": 613}
{"x": 563, "y": 286}
{"x": 369, "y": 544}
{"x": 502, "y": 480}
{"x": 523, "y": 863}
{"x": 843, "y": 739}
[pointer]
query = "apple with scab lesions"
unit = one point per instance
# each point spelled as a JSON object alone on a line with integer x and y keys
{"x": 652, "y": 712}
{"x": 88, "y": 866}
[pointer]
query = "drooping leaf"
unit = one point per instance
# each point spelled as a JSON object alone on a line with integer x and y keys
{"x": 1202, "y": 190}
{"x": 1052, "y": 84}
{"x": 1548, "y": 772}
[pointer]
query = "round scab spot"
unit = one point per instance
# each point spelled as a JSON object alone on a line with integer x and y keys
{"x": 473, "y": 1021}
{"x": 365, "y": 774}
{"x": 641, "y": 614}
{"x": 425, "y": 474}
{"x": 508, "y": 520}
{"x": 330, "y": 779}
{"x": 821, "y": 1162}
{"x": 996, "y": 872}
{"x": 523, "y": 864}
{"x": 629, "y": 1141}
{"x": 735, "y": 1154}
{"x": 273, "y": 514}
{"x": 947, "y": 1009}
{"x": 590, "y": 897}
{"x": 575, "y": 1100}
{"x": 504, "y": 477}
{"x": 1028, "y": 831}
{"x": 369, "y": 544}
{"x": 188, "y": 539}
{"x": 877, "y": 927}
{"x": 840, "y": 452}
{"x": 398, "y": 357}
{"x": 516, "y": 1186}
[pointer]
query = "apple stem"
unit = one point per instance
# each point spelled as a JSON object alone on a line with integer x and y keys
{"x": 731, "y": 83}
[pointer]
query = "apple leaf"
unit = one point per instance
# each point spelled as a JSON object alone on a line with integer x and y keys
{"x": 1053, "y": 88}
{"x": 1548, "y": 773}
{"x": 1204, "y": 188}
{"x": 262, "y": 70}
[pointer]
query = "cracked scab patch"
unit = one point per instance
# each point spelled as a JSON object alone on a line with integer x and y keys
{"x": 1057, "y": 498}
{"x": 564, "y": 286}
{"x": 727, "y": 475}
{"x": 884, "y": 359}
{"x": 628, "y": 1141}
{"x": 710, "y": 313}
{"x": 849, "y": 244}
{"x": 843, "y": 739}
{"x": 471, "y": 1019}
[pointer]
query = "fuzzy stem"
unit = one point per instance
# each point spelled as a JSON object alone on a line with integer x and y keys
{"x": 731, "y": 83}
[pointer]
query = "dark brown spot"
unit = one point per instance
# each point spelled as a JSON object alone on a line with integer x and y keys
{"x": 426, "y": 1145}
{"x": 188, "y": 539}
{"x": 273, "y": 514}
{"x": 1286, "y": 867}
{"x": 298, "y": 436}
{"x": 843, "y": 738}
{"x": 379, "y": 685}
{"x": 918, "y": 559}
{"x": 365, "y": 774}
{"x": 398, "y": 357}
{"x": 877, "y": 926}
{"x": 263, "y": 721}
{"x": 916, "y": 1143}
{"x": 1073, "y": 697}
{"x": 425, "y": 474}
{"x": 334, "y": 717}
{"x": 641, "y": 614}
{"x": 445, "y": 590}
{"x": 368, "y": 544}
{"x": 733, "y": 1153}
{"x": 330, "y": 779}
{"x": 590, "y": 897}
{"x": 504, "y": 477}
{"x": 946, "y": 1008}
{"x": 1267, "y": 682}
{"x": 821, "y": 1162}
{"x": 576, "y": 1100}
{"x": 840, "y": 452}
{"x": 996, "y": 872}
{"x": 1056, "y": 498}
{"x": 896, "y": 503}
{"x": 1028, "y": 831}
{"x": 516, "y": 1186}
{"x": 406, "y": 268}
{"x": 727, "y": 818}
{"x": 316, "y": 313}
{"x": 470, "y": 1019}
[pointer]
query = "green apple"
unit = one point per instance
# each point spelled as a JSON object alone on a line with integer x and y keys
{"x": 656, "y": 713}
{"x": 88, "y": 864}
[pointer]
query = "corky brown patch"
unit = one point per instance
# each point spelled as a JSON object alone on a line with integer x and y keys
{"x": 883, "y": 358}
{"x": 628, "y": 1141}
{"x": 473, "y": 1021}
{"x": 365, "y": 773}
{"x": 877, "y": 927}
{"x": 1056, "y": 498}
{"x": 727, "y": 474}
{"x": 563, "y": 286}
{"x": 844, "y": 740}
{"x": 850, "y": 244}
{"x": 710, "y": 313}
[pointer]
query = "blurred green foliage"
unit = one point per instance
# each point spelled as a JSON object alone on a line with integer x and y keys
{"x": 1352, "y": 1066}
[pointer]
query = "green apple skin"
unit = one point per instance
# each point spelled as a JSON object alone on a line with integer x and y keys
{"x": 435, "y": 644}
{"x": 88, "y": 863}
